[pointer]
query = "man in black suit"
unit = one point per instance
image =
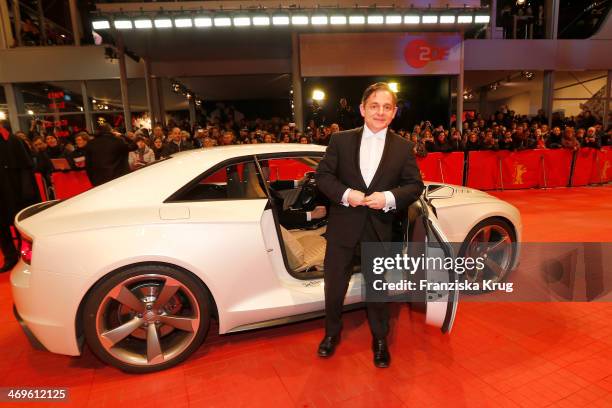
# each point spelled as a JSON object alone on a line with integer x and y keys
{"x": 365, "y": 173}
{"x": 106, "y": 157}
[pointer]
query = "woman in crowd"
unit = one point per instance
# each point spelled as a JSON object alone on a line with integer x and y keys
{"x": 158, "y": 147}
{"x": 142, "y": 156}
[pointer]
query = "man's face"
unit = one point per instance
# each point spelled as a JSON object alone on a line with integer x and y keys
{"x": 208, "y": 142}
{"x": 378, "y": 110}
{"x": 268, "y": 138}
{"x": 131, "y": 135}
{"x": 285, "y": 129}
{"x": 176, "y": 134}
{"x": 158, "y": 131}
{"x": 141, "y": 144}
{"x": 51, "y": 141}
{"x": 39, "y": 145}
{"x": 334, "y": 128}
{"x": 80, "y": 142}
{"x": 227, "y": 138}
{"x": 557, "y": 131}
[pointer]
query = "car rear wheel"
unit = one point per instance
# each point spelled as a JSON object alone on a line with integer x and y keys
{"x": 494, "y": 240}
{"x": 146, "y": 318}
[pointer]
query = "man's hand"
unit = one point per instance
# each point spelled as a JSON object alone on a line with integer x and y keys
{"x": 355, "y": 198}
{"x": 376, "y": 201}
{"x": 319, "y": 212}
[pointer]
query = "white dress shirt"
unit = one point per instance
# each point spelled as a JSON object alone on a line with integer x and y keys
{"x": 370, "y": 154}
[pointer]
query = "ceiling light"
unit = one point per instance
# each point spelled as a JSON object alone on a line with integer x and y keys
{"x": 447, "y": 19}
{"x": 123, "y": 24}
{"x": 337, "y": 20}
{"x": 101, "y": 24}
{"x": 356, "y": 19}
{"x": 482, "y": 19}
{"x": 242, "y": 21}
{"x": 162, "y": 23}
{"x": 394, "y": 86}
{"x": 393, "y": 19}
{"x": 183, "y": 22}
{"x": 430, "y": 19}
{"x": 2, "y": 115}
{"x": 280, "y": 20}
{"x": 319, "y": 20}
{"x": 143, "y": 23}
{"x": 412, "y": 19}
{"x": 299, "y": 20}
{"x": 318, "y": 95}
{"x": 222, "y": 21}
{"x": 376, "y": 19}
{"x": 261, "y": 21}
{"x": 202, "y": 21}
{"x": 466, "y": 19}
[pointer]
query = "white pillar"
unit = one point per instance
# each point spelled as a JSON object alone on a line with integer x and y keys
{"x": 74, "y": 21}
{"x": 296, "y": 81}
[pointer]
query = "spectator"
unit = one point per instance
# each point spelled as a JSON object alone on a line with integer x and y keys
{"x": 158, "y": 147}
{"x": 345, "y": 115}
{"x": 76, "y": 158}
{"x": 142, "y": 156}
{"x": 18, "y": 190}
{"x": 590, "y": 139}
{"x": 441, "y": 145}
{"x": 106, "y": 157}
{"x": 175, "y": 143}
{"x": 54, "y": 149}
{"x": 208, "y": 142}
{"x": 228, "y": 138}
{"x": 507, "y": 143}
{"x": 569, "y": 139}
{"x": 554, "y": 139}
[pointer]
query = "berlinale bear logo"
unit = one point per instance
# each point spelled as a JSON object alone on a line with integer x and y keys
{"x": 419, "y": 52}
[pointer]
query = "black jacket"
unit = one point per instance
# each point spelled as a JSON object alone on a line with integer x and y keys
{"x": 18, "y": 187}
{"x": 106, "y": 158}
{"x": 339, "y": 169}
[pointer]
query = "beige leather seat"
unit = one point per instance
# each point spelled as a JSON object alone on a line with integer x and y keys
{"x": 305, "y": 249}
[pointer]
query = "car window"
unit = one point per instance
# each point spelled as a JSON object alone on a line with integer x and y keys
{"x": 235, "y": 181}
{"x": 288, "y": 168}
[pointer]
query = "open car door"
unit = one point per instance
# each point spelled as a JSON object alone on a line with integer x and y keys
{"x": 423, "y": 233}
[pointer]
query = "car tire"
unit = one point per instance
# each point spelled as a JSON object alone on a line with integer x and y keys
{"x": 498, "y": 229}
{"x": 146, "y": 318}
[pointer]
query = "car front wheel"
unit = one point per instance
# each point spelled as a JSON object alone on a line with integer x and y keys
{"x": 146, "y": 318}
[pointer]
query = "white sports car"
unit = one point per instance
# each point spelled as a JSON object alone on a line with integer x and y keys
{"x": 139, "y": 266}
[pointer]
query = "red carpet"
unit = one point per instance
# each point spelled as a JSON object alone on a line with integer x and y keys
{"x": 498, "y": 355}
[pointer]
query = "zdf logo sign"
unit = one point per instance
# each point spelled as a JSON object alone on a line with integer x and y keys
{"x": 419, "y": 53}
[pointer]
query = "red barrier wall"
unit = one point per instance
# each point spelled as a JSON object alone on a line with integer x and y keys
{"x": 41, "y": 186}
{"x": 70, "y": 184}
{"x": 483, "y": 170}
{"x": 442, "y": 167}
{"x": 606, "y": 164}
{"x": 521, "y": 169}
{"x": 557, "y": 167}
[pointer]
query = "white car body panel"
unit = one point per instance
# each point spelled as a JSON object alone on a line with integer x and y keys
{"x": 231, "y": 245}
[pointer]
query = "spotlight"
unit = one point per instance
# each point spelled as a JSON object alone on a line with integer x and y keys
{"x": 176, "y": 87}
{"x": 93, "y": 101}
{"x": 261, "y": 21}
{"x": 394, "y": 86}
{"x": 467, "y": 95}
{"x": 528, "y": 75}
{"x": 81, "y": 108}
{"x": 198, "y": 101}
{"x": 123, "y": 24}
{"x": 101, "y": 24}
{"x": 189, "y": 94}
{"x": 280, "y": 20}
{"x": 376, "y": 19}
{"x": 202, "y": 22}
{"x": 2, "y": 115}
{"x": 520, "y": 2}
{"x": 183, "y": 22}
{"x": 494, "y": 86}
{"x": 299, "y": 20}
{"x": 356, "y": 19}
{"x": 162, "y": 23}
{"x": 337, "y": 20}
{"x": 412, "y": 19}
{"x": 242, "y": 21}
{"x": 30, "y": 112}
{"x": 222, "y": 21}
{"x": 393, "y": 19}
{"x": 319, "y": 19}
{"x": 318, "y": 95}
{"x": 143, "y": 23}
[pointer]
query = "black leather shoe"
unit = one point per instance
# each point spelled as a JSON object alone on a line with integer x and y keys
{"x": 8, "y": 265}
{"x": 328, "y": 346}
{"x": 382, "y": 358}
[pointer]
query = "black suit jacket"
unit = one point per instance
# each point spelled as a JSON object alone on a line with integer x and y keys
{"x": 106, "y": 158}
{"x": 339, "y": 169}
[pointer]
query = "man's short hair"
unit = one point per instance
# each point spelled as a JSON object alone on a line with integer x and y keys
{"x": 378, "y": 86}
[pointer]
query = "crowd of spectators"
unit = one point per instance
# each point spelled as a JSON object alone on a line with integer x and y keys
{"x": 504, "y": 130}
